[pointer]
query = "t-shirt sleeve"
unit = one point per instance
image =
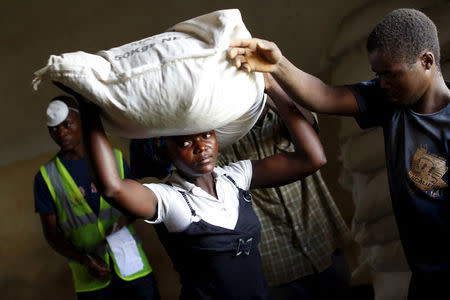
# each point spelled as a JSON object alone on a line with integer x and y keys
{"x": 371, "y": 102}
{"x": 43, "y": 202}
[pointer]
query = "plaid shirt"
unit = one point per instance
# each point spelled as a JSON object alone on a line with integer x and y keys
{"x": 300, "y": 223}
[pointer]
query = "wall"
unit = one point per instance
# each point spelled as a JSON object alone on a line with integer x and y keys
{"x": 29, "y": 268}
{"x": 31, "y": 32}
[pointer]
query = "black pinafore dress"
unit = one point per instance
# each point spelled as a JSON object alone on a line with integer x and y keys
{"x": 215, "y": 262}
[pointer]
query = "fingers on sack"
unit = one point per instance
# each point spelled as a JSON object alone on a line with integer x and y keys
{"x": 246, "y": 67}
{"x": 233, "y": 52}
{"x": 240, "y": 42}
{"x": 239, "y": 61}
{"x": 263, "y": 45}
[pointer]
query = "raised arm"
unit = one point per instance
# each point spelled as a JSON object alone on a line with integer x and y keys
{"x": 308, "y": 156}
{"x": 127, "y": 194}
{"x": 309, "y": 91}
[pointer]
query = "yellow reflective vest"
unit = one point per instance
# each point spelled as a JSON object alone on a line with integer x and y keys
{"x": 82, "y": 227}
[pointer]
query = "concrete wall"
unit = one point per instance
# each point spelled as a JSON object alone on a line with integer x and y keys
{"x": 32, "y": 31}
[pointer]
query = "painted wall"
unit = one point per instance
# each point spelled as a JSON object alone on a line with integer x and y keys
{"x": 32, "y": 31}
{"x": 29, "y": 268}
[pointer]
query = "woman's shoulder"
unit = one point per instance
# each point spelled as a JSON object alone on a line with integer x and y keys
{"x": 240, "y": 171}
{"x": 240, "y": 166}
{"x": 161, "y": 189}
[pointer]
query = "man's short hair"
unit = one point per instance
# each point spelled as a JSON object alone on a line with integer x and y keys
{"x": 405, "y": 33}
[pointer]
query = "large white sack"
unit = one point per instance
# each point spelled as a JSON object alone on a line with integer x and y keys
{"x": 364, "y": 152}
{"x": 178, "y": 82}
{"x": 381, "y": 258}
{"x": 381, "y": 231}
{"x": 371, "y": 196}
{"x": 391, "y": 285}
{"x": 389, "y": 257}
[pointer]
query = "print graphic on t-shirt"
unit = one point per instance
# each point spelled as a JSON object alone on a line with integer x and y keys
{"x": 427, "y": 170}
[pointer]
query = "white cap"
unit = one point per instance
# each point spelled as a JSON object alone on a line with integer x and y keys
{"x": 57, "y": 112}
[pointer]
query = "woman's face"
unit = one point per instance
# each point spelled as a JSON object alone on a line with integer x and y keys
{"x": 194, "y": 155}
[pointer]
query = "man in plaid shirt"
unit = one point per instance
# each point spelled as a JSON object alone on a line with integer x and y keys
{"x": 302, "y": 228}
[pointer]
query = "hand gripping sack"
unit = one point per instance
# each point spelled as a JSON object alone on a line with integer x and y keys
{"x": 175, "y": 83}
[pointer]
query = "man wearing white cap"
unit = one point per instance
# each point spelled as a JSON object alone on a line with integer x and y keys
{"x": 76, "y": 219}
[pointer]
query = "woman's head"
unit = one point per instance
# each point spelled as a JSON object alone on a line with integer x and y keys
{"x": 193, "y": 155}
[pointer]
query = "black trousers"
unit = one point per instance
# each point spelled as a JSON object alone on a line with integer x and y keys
{"x": 424, "y": 286}
{"x": 143, "y": 288}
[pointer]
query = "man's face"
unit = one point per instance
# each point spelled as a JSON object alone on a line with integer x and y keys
{"x": 401, "y": 82}
{"x": 67, "y": 134}
{"x": 193, "y": 155}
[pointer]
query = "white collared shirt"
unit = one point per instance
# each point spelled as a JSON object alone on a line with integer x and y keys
{"x": 223, "y": 211}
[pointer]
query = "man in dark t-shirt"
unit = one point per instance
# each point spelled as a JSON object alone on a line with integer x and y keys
{"x": 410, "y": 100}
{"x": 417, "y": 152}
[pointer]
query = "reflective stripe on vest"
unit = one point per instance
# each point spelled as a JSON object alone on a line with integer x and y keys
{"x": 76, "y": 220}
{"x": 73, "y": 220}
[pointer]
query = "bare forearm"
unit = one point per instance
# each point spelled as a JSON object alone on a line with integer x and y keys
{"x": 272, "y": 85}
{"x": 65, "y": 248}
{"x": 303, "y": 136}
{"x": 99, "y": 153}
{"x": 284, "y": 168}
{"x": 312, "y": 93}
{"x": 58, "y": 241}
{"x": 127, "y": 195}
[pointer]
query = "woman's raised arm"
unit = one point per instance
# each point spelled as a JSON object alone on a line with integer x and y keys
{"x": 308, "y": 156}
{"x": 125, "y": 194}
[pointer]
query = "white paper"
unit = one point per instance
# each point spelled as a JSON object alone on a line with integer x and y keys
{"x": 125, "y": 252}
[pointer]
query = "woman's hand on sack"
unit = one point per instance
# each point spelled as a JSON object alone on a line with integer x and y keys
{"x": 254, "y": 55}
{"x": 96, "y": 266}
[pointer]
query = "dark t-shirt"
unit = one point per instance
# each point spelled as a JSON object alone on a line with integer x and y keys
{"x": 78, "y": 169}
{"x": 417, "y": 154}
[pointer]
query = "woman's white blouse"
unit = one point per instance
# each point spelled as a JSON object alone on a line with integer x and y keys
{"x": 174, "y": 212}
